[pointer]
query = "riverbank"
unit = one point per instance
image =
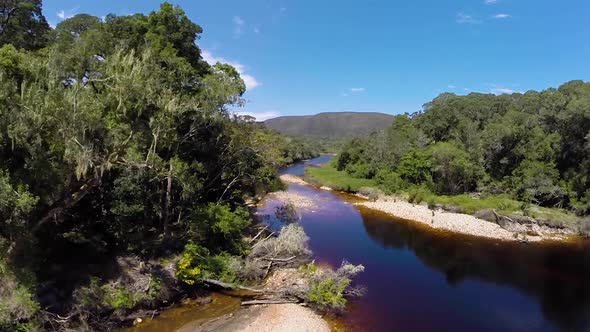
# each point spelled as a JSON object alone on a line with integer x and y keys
{"x": 275, "y": 317}
{"x": 459, "y": 214}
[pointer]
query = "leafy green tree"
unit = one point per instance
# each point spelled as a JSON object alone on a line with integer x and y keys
{"x": 452, "y": 170}
{"x": 22, "y": 24}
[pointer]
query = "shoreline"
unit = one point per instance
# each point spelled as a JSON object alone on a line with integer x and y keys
{"x": 454, "y": 222}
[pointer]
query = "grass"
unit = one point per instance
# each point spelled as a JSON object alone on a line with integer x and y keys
{"x": 470, "y": 204}
{"x": 328, "y": 175}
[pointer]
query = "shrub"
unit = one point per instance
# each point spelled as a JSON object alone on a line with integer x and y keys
{"x": 328, "y": 293}
{"x": 120, "y": 298}
{"x": 390, "y": 182}
{"x": 418, "y": 194}
{"x": 287, "y": 213}
{"x": 360, "y": 170}
{"x": 328, "y": 289}
{"x": 292, "y": 241}
{"x": 17, "y": 302}
{"x": 372, "y": 193}
{"x": 187, "y": 269}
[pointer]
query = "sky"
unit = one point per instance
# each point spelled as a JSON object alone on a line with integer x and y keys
{"x": 310, "y": 56}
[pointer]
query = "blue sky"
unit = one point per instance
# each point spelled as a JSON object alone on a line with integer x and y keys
{"x": 306, "y": 57}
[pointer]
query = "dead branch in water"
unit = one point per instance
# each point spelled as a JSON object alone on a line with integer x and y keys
{"x": 279, "y": 259}
{"x": 230, "y": 286}
{"x": 259, "y": 233}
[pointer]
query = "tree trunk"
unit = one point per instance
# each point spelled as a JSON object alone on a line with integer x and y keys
{"x": 168, "y": 199}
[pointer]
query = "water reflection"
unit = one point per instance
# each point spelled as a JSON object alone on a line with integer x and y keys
{"x": 555, "y": 275}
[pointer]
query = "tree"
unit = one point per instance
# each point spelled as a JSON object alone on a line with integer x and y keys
{"x": 22, "y": 24}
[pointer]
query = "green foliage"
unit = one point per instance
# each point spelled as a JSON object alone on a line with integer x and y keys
{"x": 23, "y": 25}
{"x": 328, "y": 293}
{"x": 415, "y": 167}
{"x": 418, "y": 194}
{"x": 328, "y": 289}
{"x": 18, "y": 305}
{"x": 188, "y": 269}
{"x": 196, "y": 263}
{"x": 120, "y": 298}
{"x": 532, "y": 146}
{"x": 452, "y": 170}
{"x": 389, "y": 181}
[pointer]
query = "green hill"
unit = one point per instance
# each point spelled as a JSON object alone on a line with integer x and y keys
{"x": 337, "y": 124}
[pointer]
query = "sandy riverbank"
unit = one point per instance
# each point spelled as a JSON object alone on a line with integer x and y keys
{"x": 439, "y": 219}
{"x": 276, "y": 317}
{"x": 449, "y": 221}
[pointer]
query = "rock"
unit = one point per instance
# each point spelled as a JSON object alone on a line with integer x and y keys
{"x": 137, "y": 321}
{"x": 486, "y": 214}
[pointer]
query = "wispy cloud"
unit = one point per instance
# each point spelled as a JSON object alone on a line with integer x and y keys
{"x": 64, "y": 15}
{"x": 283, "y": 9}
{"x": 450, "y": 86}
{"x": 238, "y": 26}
{"x": 501, "y": 16}
{"x": 256, "y": 30}
{"x": 489, "y": 2}
{"x": 249, "y": 80}
{"x": 357, "y": 90}
{"x": 466, "y": 19}
{"x": 498, "y": 90}
{"x": 261, "y": 116}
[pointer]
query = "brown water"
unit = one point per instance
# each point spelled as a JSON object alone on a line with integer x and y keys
{"x": 189, "y": 314}
{"x": 424, "y": 280}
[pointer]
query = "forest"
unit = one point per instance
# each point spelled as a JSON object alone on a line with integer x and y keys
{"x": 117, "y": 138}
{"x": 531, "y": 147}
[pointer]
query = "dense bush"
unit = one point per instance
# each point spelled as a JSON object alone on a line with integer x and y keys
{"x": 532, "y": 146}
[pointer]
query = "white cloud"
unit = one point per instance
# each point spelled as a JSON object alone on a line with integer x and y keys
{"x": 498, "y": 90}
{"x": 63, "y": 15}
{"x": 343, "y": 94}
{"x": 501, "y": 16}
{"x": 357, "y": 89}
{"x": 238, "y": 26}
{"x": 261, "y": 116}
{"x": 468, "y": 19}
{"x": 249, "y": 80}
{"x": 489, "y": 2}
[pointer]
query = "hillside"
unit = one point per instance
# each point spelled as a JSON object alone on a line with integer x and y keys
{"x": 337, "y": 124}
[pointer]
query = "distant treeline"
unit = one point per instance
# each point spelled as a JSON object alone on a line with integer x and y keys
{"x": 533, "y": 146}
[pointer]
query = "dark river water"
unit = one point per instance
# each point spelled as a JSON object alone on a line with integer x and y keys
{"x": 424, "y": 280}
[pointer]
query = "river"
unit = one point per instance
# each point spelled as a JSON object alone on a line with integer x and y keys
{"x": 424, "y": 280}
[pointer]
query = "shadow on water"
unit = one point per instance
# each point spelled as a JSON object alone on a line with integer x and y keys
{"x": 557, "y": 276}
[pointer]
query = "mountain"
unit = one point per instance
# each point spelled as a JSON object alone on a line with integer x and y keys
{"x": 336, "y": 124}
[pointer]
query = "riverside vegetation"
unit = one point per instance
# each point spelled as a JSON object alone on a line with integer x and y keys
{"x": 522, "y": 155}
{"x": 123, "y": 176}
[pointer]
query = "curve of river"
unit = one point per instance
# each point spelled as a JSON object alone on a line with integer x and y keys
{"x": 424, "y": 280}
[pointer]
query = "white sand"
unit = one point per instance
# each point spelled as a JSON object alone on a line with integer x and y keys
{"x": 288, "y": 318}
{"x": 288, "y": 178}
{"x": 454, "y": 222}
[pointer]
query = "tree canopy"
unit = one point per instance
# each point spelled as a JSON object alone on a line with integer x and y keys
{"x": 116, "y": 137}
{"x": 532, "y": 145}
